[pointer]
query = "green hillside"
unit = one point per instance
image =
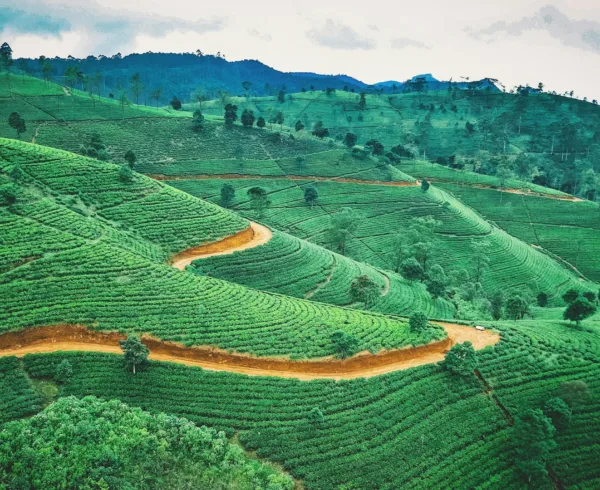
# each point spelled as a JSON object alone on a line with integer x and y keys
{"x": 91, "y": 232}
{"x": 384, "y": 212}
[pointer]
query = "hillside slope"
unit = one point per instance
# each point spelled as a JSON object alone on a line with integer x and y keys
{"x": 83, "y": 247}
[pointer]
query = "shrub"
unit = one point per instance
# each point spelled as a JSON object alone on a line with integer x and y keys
{"x": 345, "y": 344}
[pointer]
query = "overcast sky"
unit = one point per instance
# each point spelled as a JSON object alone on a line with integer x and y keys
{"x": 516, "y": 41}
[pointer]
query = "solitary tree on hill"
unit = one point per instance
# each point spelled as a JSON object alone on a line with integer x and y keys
{"x": 175, "y": 103}
{"x": 411, "y": 269}
{"x": 16, "y": 122}
{"x": 469, "y": 127}
{"x": 533, "y": 436}
{"x": 418, "y": 321}
{"x": 425, "y": 185}
{"x": 136, "y": 86}
{"x": 246, "y": 86}
{"x": 230, "y": 115}
{"x": 248, "y": 118}
{"x": 570, "y": 296}
{"x": 579, "y": 310}
{"x": 364, "y": 290}
{"x": 350, "y": 140}
{"x": 343, "y": 225}
{"x": 311, "y": 195}
{"x": 6, "y": 60}
{"x": 345, "y": 344}
{"x": 156, "y": 95}
{"x": 125, "y": 173}
{"x": 136, "y": 353}
{"x": 197, "y": 121}
{"x": 299, "y": 125}
{"x": 542, "y": 299}
{"x": 320, "y": 131}
{"x": 362, "y": 101}
{"x": 258, "y": 200}
{"x": 261, "y": 123}
{"x": 227, "y": 194}
{"x": 130, "y": 158}
{"x": 461, "y": 359}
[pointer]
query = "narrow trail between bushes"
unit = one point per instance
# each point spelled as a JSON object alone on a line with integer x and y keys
{"x": 57, "y": 338}
{"x": 253, "y": 236}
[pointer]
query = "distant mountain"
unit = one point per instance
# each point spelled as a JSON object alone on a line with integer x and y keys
{"x": 180, "y": 74}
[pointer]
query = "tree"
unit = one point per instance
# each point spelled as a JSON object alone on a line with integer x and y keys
{"x": 230, "y": 115}
{"x": 343, "y": 225}
{"x": 125, "y": 173}
{"x": 123, "y": 101}
{"x": 175, "y": 103}
{"x": 481, "y": 257}
{"x": 364, "y": 290}
{"x": 461, "y": 359}
{"x": 8, "y": 195}
{"x": 299, "y": 125}
{"x": 6, "y": 60}
{"x": 542, "y": 300}
{"x": 227, "y": 194}
{"x": 258, "y": 200}
{"x": 533, "y": 437}
{"x": 436, "y": 288}
{"x": 497, "y": 305}
{"x": 197, "y": 121}
{"x": 71, "y": 75}
{"x": 261, "y": 123}
{"x": 575, "y": 392}
{"x": 130, "y": 158}
{"x": 469, "y": 127}
{"x": 350, "y": 140}
{"x": 375, "y": 146}
{"x": 418, "y": 321}
{"x": 558, "y": 411}
{"x": 590, "y": 296}
{"x": 516, "y": 307}
{"x": 64, "y": 372}
{"x": 570, "y": 296}
{"x": 311, "y": 195}
{"x": 281, "y": 96}
{"x": 199, "y": 96}
{"x": 17, "y": 174}
{"x": 137, "y": 86}
{"x": 156, "y": 95}
{"x": 579, "y": 310}
{"x": 248, "y": 118}
{"x": 344, "y": 344}
{"x": 362, "y": 101}
{"x": 319, "y": 130}
{"x": 279, "y": 119}
{"x": 400, "y": 250}
{"x": 411, "y": 269}
{"x": 425, "y": 185}
{"x": 16, "y": 122}
{"x": 422, "y": 239}
{"x": 47, "y": 70}
{"x": 136, "y": 353}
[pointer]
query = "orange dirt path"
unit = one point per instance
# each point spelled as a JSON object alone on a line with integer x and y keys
{"x": 282, "y": 177}
{"x": 251, "y": 237}
{"x": 364, "y": 365}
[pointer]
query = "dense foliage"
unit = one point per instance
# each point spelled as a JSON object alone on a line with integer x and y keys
{"x": 89, "y": 443}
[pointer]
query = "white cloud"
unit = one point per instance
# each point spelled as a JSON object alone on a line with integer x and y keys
{"x": 405, "y": 42}
{"x": 339, "y": 36}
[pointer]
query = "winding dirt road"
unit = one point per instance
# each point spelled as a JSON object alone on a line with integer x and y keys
{"x": 57, "y": 338}
{"x": 253, "y": 236}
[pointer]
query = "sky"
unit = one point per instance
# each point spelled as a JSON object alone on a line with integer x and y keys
{"x": 517, "y": 42}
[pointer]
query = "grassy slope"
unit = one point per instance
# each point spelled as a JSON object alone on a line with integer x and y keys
{"x": 83, "y": 247}
{"x": 386, "y": 211}
{"x": 393, "y": 119}
{"x": 570, "y": 230}
{"x": 420, "y": 428}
